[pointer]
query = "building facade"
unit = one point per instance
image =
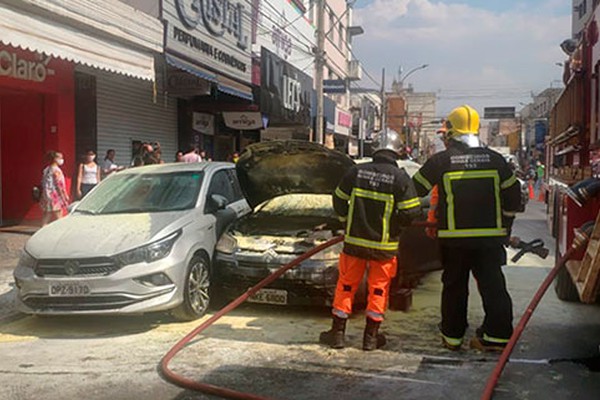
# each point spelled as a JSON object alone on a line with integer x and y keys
{"x": 44, "y": 103}
{"x": 413, "y": 114}
{"x": 534, "y": 122}
{"x": 116, "y": 74}
{"x": 365, "y": 105}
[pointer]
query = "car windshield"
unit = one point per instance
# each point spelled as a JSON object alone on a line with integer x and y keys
{"x": 141, "y": 193}
{"x": 298, "y": 205}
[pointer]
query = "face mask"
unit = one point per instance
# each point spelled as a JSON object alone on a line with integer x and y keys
{"x": 60, "y": 161}
{"x": 90, "y": 158}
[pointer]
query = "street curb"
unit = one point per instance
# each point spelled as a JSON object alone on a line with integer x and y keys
{"x": 13, "y": 317}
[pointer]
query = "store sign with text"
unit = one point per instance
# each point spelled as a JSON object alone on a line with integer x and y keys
{"x": 343, "y": 122}
{"x": 25, "y": 66}
{"x": 183, "y": 84}
{"x": 285, "y": 91}
{"x": 335, "y": 86}
{"x": 211, "y": 33}
{"x": 243, "y": 120}
{"x": 203, "y": 123}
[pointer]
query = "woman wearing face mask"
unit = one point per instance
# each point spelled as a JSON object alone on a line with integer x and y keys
{"x": 88, "y": 174}
{"x": 54, "y": 198}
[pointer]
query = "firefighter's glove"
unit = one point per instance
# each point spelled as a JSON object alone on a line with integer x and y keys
{"x": 431, "y": 232}
{"x": 507, "y": 223}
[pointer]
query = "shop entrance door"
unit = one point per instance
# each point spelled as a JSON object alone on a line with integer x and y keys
{"x": 21, "y": 154}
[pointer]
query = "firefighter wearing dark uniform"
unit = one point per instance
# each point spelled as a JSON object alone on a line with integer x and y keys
{"x": 478, "y": 199}
{"x": 376, "y": 200}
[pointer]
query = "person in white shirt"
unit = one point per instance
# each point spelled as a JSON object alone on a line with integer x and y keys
{"x": 192, "y": 155}
{"x": 88, "y": 174}
{"x": 109, "y": 166}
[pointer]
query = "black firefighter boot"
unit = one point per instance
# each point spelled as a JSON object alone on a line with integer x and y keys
{"x": 335, "y": 336}
{"x": 372, "y": 339}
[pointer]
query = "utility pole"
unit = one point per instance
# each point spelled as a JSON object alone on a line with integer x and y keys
{"x": 319, "y": 64}
{"x": 383, "y": 105}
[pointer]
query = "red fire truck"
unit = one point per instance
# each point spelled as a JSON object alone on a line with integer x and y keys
{"x": 573, "y": 160}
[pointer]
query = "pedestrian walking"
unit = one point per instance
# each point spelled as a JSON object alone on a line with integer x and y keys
{"x": 88, "y": 174}
{"x": 478, "y": 198}
{"x": 108, "y": 165}
{"x": 540, "y": 171}
{"x": 54, "y": 199}
{"x": 179, "y": 156}
{"x": 376, "y": 200}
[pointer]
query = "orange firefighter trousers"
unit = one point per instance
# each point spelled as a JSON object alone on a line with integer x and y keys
{"x": 351, "y": 271}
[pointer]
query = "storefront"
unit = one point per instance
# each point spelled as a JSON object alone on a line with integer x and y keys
{"x": 41, "y": 94}
{"x": 329, "y": 109}
{"x": 215, "y": 48}
{"x": 285, "y": 99}
{"x": 36, "y": 115}
{"x": 342, "y": 129}
{"x": 282, "y": 48}
{"x": 127, "y": 112}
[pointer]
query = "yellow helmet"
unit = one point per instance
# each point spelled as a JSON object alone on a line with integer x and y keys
{"x": 463, "y": 120}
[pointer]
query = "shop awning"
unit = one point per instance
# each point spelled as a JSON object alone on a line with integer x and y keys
{"x": 225, "y": 85}
{"x": 233, "y": 88}
{"x": 36, "y": 33}
{"x": 190, "y": 68}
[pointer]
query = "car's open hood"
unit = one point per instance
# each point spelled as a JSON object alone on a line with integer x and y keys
{"x": 270, "y": 169}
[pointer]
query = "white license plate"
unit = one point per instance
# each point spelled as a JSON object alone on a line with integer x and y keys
{"x": 269, "y": 296}
{"x": 68, "y": 289}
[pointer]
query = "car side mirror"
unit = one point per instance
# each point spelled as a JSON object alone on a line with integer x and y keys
{"x": 217, "y": 202}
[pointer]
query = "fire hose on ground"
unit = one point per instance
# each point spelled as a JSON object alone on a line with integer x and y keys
{"x": 582, "y": 236}
{"x": 187, "y": 383}
{"x": 217, "y": 390}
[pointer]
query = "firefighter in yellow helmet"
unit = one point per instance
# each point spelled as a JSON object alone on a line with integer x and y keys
{"x": 478, "y": 198}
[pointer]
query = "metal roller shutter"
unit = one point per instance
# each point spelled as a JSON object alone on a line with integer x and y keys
{"x": 127, "y": 112}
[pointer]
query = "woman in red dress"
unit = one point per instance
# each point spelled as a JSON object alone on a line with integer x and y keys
{"x": 54, "y": 198}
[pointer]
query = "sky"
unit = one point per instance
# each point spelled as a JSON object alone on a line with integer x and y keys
{"x": 484, "y": 53}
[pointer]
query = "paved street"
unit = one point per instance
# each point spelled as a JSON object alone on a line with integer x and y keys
{"x": 271, "y": 351}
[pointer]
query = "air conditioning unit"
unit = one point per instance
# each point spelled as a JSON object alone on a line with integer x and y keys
{"x": 354, "y": 70}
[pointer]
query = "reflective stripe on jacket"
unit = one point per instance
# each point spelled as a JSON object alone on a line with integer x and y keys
{"x": 477, "y": 192}
{"x": 377, "y": 199}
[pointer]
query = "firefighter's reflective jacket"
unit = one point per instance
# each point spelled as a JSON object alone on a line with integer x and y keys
{"x": 478, "y": 194}
{"x": 376, "y": 200}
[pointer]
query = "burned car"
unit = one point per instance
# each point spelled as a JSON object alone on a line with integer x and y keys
{"x": 289, "y": 186}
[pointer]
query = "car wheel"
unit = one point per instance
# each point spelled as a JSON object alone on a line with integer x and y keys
{"x": 196, "y": 294}
{"x": 564, "y": 287}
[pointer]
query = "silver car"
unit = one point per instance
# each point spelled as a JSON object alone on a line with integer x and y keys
{"x": 141, "y": 241}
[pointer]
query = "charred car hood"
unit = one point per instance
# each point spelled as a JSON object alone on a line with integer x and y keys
{"x": 270, "y": 169}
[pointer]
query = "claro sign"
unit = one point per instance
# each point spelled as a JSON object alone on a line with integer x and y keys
{"x": 211, "y": 33}
{"x": 15, "y": 66}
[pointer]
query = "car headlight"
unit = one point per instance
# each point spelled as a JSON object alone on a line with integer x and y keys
{"x": 149, "y": 253}
{"x": 227, "y": 244}
{"x": 26, "y": 260}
